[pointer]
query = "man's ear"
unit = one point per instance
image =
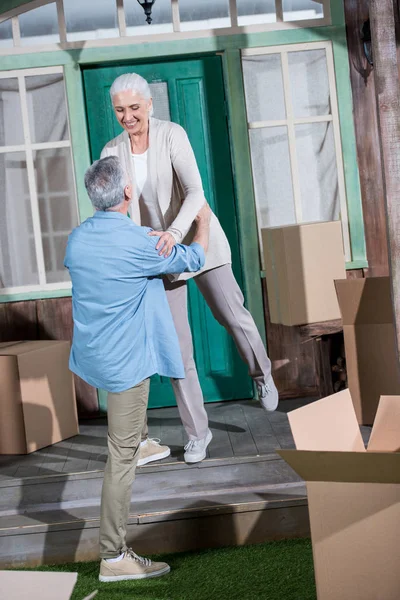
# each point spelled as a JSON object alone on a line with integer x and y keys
{"x": 128, "y": 192}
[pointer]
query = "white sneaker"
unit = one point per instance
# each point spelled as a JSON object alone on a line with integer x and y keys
{"x": 268, "y": 395}
{"x": 151, "y": 450}
{"x": 196, "y": 450}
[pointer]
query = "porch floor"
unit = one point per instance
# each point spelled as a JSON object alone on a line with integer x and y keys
{"x": 242, "y": 493}
{"x": 240, "y": 429}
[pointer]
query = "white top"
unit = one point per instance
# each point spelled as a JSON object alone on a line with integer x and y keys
{"x": 140, "y": 165}
{"x": 148, "y": 208}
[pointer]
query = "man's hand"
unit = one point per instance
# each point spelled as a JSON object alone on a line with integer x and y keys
{"x": 165, "y": 243}
{"x": 204, "y": 214}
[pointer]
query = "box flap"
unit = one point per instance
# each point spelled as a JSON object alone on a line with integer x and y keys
{"x": 327, "y": 424}
{"x": 385, "y": 434}
{"x": 32, "y": 346}
{"x": 346, "y": 467}
{"x": 8, "y": 344}
{"x": 365, "y": 300}
{"x": 36, "y": 585}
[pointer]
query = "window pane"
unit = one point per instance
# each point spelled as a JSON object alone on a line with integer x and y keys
{"x": 159, "y": 92}
{"x": 17, "y": 248}
{"x": 309, "y": 83}
{"x": 11, "y": 129}
{"x": 302, "y": 10}
{"x": 264, "y": 87}
{"x": 58, "y": 207}
{"x": 272, "y": 176}
{"x": 39, "y": 26}
{"x": 136, "y": 19}
{"x": 318, "y": 173}
{"x": 47, "y": 108}
{"x": 207, "y": 14}
{"x": 90, "y": 21}
{"x": 6, "y": 37}
{"x": 254, "y": 13}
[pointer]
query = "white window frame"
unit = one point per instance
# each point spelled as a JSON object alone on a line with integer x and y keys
{"x": 290, "y": 122}
{"x": 28, "y": 148}
{"x": 124, "y": 39}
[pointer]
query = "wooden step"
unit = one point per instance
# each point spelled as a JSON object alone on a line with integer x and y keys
{"x": 174, "y": 507}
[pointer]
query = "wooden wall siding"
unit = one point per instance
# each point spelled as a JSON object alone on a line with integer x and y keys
{"x": 18, "y": 321}
{"x": 46, "y": 320}
{"x": 292, "y": 356}
{"x": 55, "y": 323}
{"x": 367, "y": 139}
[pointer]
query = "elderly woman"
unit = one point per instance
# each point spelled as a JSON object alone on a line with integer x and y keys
{"x": 168, "y": 194}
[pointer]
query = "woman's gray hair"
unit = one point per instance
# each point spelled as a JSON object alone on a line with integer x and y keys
{"x": 105, "y": 182}
{"x": 134, "y": 83}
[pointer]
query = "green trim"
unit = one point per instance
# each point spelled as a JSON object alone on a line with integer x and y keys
{"x": 34, "y": 296}
{"x": 246, "y": 207}
{"x": 357, "y": 264}
{"x": 102, "y": 397}
{"x": 337, "y": 12}
{"x": 79, "y": 136}
{"x": 168, "y": 49}
{"x": 353, "y": 191}
{"x": 7, "y": 5}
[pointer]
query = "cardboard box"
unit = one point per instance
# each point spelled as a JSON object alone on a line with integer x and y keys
{"x": 353, "y": 496}
{"x": 370, "y": 343}
{"x": 37, "y": 396}
{"x": 301, "y": 264}
{"x": 37, "y": 585}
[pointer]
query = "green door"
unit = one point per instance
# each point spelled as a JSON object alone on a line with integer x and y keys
{"x": 190, "y": 93}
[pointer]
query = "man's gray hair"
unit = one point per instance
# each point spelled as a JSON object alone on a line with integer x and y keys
{"x": 105, "y": 182}
{"x": 134, "y": 83}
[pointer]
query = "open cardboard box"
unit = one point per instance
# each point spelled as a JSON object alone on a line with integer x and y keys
{"x": 353, "y": 496}
{"x": 370, "y": 343}
{"x": 38, "y": 585}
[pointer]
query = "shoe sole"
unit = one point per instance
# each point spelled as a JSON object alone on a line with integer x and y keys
{"x": 270, "y": 408}
{"x": 192, "y": 462}
{"x": 111, "y": 578}
{"x": 153, "y": 458}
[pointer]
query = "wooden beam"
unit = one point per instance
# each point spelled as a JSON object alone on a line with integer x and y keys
{"x": 367, "y": 138}
{"x": 388, "y": 106}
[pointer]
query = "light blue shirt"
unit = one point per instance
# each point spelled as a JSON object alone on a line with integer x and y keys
{"x": 123, "y": 328}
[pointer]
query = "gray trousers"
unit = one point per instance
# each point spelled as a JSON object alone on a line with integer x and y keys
{"x": 225, "y": 299}
{"x": 126, "y": 418}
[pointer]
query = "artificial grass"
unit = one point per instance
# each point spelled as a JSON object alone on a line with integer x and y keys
{"x": 272, "y": 571}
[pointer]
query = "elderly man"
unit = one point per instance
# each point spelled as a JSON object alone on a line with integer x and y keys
{"x": 123, "y": 334}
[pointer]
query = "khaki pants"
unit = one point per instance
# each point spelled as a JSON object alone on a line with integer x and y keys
{"x": 126, "y": 419}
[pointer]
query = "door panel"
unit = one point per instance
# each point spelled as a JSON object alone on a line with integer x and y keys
{"x": 190, "y": 93}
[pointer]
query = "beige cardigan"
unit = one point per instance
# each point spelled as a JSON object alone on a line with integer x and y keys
{"x": 176, "y": 186}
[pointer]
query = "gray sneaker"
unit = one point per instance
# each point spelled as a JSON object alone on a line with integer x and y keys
{"x": 268, "y": 395}
{"x": 131, "y": 566}
{"x": 196, "y": 450}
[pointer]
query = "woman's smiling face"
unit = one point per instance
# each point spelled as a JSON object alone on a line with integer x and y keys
{"x": 132, "y": 111}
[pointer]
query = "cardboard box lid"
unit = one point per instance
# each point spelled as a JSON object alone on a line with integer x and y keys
{"x": 17, "y": 348}
{"x": 385, "y": 434}
{"x": 37, "y": 585}
{"x": 345, "y": 467}
{"x": 327, "y": 424}
{"x": 365, "y": 300}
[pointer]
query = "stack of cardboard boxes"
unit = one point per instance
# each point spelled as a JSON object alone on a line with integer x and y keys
{"x": 353, "y": 491}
